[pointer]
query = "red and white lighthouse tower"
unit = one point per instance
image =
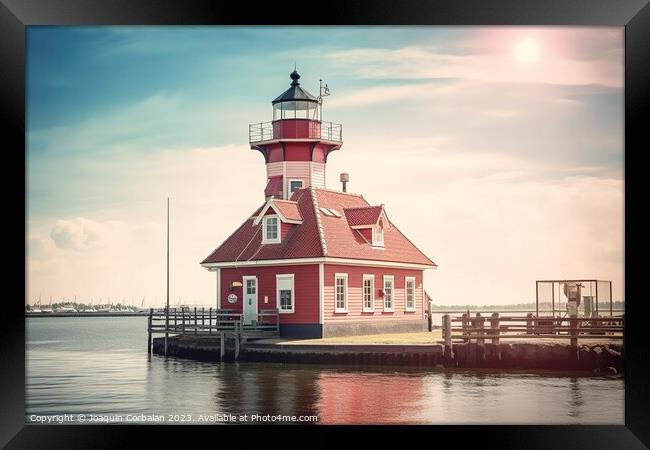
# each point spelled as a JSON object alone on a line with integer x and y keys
{"x": 296, "y": 143}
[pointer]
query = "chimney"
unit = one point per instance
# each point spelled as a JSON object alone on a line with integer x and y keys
{"x": 345, "y": 177}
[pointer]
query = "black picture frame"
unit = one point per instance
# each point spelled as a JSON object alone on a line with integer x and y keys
{"x": 634, "y": 15}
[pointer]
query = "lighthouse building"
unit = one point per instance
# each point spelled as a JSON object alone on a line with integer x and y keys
{"x": 327, "y": 260}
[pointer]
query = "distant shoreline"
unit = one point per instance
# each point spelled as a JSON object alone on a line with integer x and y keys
{"x": 87, "y": 314}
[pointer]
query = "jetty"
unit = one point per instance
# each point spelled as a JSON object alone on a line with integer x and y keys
{"x": 496, "y": 342}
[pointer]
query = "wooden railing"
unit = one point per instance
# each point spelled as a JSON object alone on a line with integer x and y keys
{"x": 206, "y": 322}
{"x": 493, "y": 328}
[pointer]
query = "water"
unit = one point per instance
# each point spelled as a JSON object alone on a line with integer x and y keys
{"x": 98, "y": 367}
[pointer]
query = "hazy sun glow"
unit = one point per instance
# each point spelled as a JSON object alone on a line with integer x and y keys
{"x": 527, "y": 50}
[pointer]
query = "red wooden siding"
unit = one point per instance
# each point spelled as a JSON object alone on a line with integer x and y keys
{"x": 355, "y": 293}
{"x": 305, "y": 290}
{"x": 297, "y": 151}
{"x": 275, "y": 153}
{"x": 296, "y": 128}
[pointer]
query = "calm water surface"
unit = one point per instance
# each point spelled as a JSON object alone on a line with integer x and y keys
{"x": 99, "y": 365}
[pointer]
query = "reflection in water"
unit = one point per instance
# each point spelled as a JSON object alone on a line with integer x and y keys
{"x": 575, "y": 397}
{"x": 357, "y": 397}
{"x": 100, "y": 366}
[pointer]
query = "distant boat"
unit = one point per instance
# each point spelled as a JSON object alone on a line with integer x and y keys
{"x": 37, "y": 306}
{"x": 49, "y": 307}
{"x": 141, "y": 308}
{"x": 65, "y": 309}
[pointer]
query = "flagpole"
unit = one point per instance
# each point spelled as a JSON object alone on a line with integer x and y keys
{"x": 167, "y": 307}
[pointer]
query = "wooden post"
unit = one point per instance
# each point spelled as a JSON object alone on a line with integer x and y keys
{"x": 202, "y": 317}
{"x": 464, "y": 325}
{"x": 183, "y": 320}
{"x": 196, "y": 322}
{"x": 237, "y": 335}
{"x": 529, "y": 323}
{"x": 149, "y": 341}
{"x": 494, "y": 325}
{"x": 446, "y": 333}
{"x": 574, "y": 330}
{"x": 222, "y": 344}
{"x": 210, "y": 321}
{"x": 175, "y": 317}
{"x": 479, "y": 324}
{"x": 446, "y": 330}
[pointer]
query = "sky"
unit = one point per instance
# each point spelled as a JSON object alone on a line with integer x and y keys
{"x": 497, "y": 150}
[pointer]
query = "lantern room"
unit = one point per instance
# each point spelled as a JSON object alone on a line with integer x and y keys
{"x": 296, "y": 103}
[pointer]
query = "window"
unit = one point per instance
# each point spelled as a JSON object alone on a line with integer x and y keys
{"x": 294, "y": 185}
{"x": 250, "y": 286}
{"x": 378, "y": 236}
{"x": 330, "y": 212}
{"x": 388, "y": 293}
{"x": 341, "y": 290}
{"x": 271, "y": 231}
{"x": 284, "y": 293}
{"x": 409, "y": 289}
{"x": 368, "y": 293}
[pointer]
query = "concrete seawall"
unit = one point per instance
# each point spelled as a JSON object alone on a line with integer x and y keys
{"x": 606, "y": 358}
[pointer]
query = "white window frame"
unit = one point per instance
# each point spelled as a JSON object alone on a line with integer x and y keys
{"x": 343, "y": 276}
{"x": 406, "y": 294}
{"x": 293, "y": 293}
{"x": 377, "y": 242}
{"x": 264, "y": 226}
{"x": 390, "y": 278}
{"x": 302, "y": 185}
{"x": 370, "y": 277}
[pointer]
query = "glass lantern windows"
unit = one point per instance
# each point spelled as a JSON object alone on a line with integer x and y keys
{"x": 296, "y": 110}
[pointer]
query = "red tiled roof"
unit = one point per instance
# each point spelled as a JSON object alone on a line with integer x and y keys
{"x": 365, "y": 215}
{"x": 289, "y": 209}
{"x": 333, "y": 238}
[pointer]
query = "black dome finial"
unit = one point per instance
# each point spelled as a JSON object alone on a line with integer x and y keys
{"x": 295, "y": 76}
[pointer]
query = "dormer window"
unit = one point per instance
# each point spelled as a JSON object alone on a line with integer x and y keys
{"x": 271, "y": 230}
{"x": 378, "y": 235}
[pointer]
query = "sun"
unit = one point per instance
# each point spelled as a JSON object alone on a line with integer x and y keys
{"x": 527, "y": 50}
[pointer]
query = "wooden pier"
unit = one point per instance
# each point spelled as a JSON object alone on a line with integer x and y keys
{"x": 221, "y": 323}
{"x": 495, "y": 327}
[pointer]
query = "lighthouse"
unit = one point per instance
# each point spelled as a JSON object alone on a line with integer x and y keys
{"x": 326, "y": 261}
{"x": 296, "y": 143}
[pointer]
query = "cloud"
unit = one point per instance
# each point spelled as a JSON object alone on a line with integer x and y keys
{"x": 76, "y": 234}
{"x": 493, "y": 59}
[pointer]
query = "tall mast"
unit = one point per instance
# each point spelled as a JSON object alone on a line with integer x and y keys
{"x": 167, "y": 252}
{"x": 167, "y": 308}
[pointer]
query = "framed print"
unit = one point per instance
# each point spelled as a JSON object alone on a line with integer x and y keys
{"x": 354, "y": 214}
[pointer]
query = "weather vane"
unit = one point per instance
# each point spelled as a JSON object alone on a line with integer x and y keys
{"x": 323, "y": 92}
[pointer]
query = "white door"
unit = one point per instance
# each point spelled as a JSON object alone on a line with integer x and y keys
{"x": 250, "y": 299}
